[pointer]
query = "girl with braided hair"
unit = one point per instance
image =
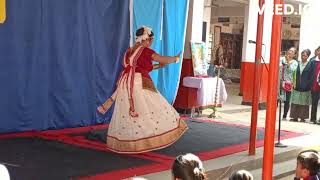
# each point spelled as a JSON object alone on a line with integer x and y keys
{"x": 308, "y": 165}
{"x": 188, "y": 167}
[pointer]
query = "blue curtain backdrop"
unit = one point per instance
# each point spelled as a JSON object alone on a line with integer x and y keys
{"x": 59, "y": 59}
{"x": 174, "y": 27}
{"x": 167, "y": 18}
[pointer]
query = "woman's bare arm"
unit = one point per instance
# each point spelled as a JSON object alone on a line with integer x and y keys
{"x": 165, "y": 59}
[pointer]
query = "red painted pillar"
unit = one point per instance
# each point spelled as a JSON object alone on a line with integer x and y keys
{"x": 257, "y": 83}
{"x": 272, "y": 96}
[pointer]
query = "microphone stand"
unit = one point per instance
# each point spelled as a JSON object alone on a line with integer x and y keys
{"x": 279, "y": 144}
{"x": 213, "y": 115}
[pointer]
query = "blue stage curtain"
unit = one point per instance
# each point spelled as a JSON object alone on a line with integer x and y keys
{"x": 167, "y": 18}
{"x": 59, "y": 59}
{"x": 174, "y": 27}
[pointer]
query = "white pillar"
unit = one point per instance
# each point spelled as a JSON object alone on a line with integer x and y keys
{"x": 197, "y": 20}
{"x": 250, "y": 30}
{"x": 194, "y": 25}
{"x": 246, "y": 57}
{"x": 309, "y": 28}
{"x": 207, "y": 18}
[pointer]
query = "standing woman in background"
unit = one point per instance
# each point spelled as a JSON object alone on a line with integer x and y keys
{"x": 288, "y": 66}
{"x": 301, "y": 93}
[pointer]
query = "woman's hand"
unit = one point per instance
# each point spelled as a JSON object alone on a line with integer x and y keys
{"x": 177, "y": 57}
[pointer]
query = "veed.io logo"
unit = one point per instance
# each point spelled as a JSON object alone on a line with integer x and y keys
{"x": 284, "y": 9}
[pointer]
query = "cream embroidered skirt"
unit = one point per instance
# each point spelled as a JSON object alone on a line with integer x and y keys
{"x": 157, "y": 126}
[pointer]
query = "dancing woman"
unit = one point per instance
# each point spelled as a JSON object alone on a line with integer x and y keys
{"x": 142, "y": 120}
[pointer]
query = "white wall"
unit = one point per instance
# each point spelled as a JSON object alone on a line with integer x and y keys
{"x": 309, "y": 29}
{"x": 194, "y": 25}
{"x": 232, "y": 28}
{"x": 267, "y": 31}
{"x": 207, "y": 18}
{"x": 233, "y": 19}
{"x": 197, "y": 19}
{"x": 245, "y": 35}
{"x": 250, "y": 31}
{"x": 228, "y": 11}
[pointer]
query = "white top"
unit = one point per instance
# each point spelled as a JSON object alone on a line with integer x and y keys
{"x": 302, "y": 66}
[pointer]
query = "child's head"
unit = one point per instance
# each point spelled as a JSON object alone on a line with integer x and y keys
{"x": 188, "y": 167}
{"x": 241, "y": 175}
{"x": 307, "y": 164}
{"x": 138, "y": 178}
{"x": 4, "y": 174}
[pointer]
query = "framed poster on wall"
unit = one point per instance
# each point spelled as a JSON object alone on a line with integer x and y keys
{"x": 200, "y": 61}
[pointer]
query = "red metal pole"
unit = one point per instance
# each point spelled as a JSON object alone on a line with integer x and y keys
{"x": 256, "y": 87}
{"x": 272, "y": 95}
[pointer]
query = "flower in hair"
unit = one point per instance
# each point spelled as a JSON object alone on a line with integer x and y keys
{"x": 196, "y": 171}
{"x": 146, "y": 34}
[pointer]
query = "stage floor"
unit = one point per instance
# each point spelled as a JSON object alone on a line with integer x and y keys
{"x": 80, "y": 153}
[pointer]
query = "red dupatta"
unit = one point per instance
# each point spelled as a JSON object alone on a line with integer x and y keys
{"x": 127, "y": 77}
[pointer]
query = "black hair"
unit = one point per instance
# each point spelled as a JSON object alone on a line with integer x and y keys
{"x": 140, "y": 32}
{"x": 307, "y": 51}
{"x": 309, "y": 159}
{"x": 295, "y": 49}
{"x": 241, "y": 175}
{"x": 188, "y": 167}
